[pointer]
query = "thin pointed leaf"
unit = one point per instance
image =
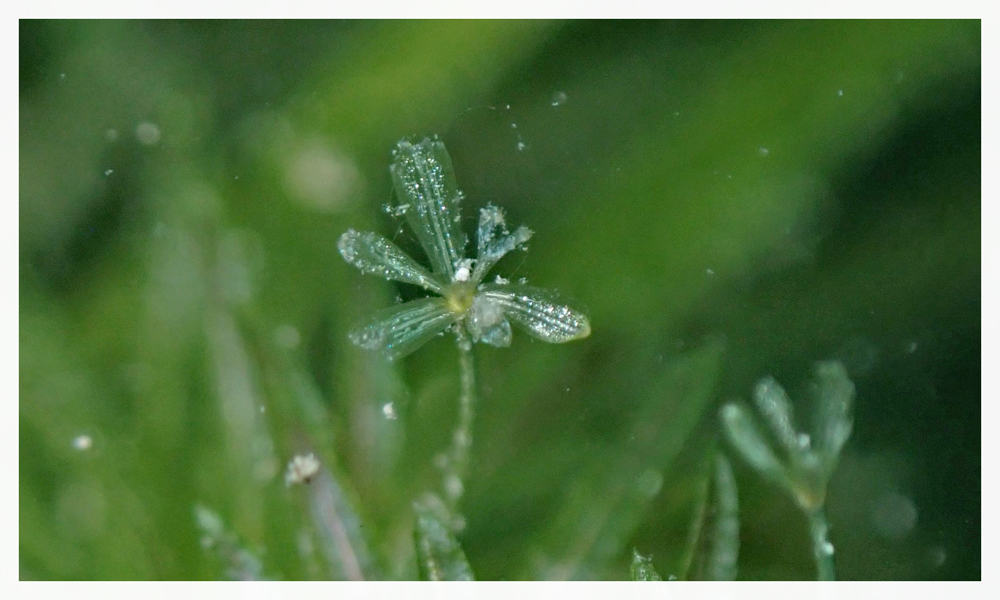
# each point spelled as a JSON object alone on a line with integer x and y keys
{"x": 425, "y": 181}
{"x": 642, "y": 568}
{"x": 240, "y": 563}
{"x": 340, "y": 530}
{"x": 834, "y": 394}
{"x": 398, "y": 330}
{"x": 610, "y": 494}
{"x": 725, "y": 533}
{"x": 774, "y": 405}
{"x": 744, "y": 436}
{"x": 495, "y": 240}
{"x": 539, "y": 311}
{"x": 375, "y": 255}
{"x": 439, "y": 555}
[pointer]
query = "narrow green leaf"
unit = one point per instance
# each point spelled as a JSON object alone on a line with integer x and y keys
{"x": 339, "y": 529}
{"x": 375, "y": 255}
{"x": 744, "y": 436}
{"x": 439, "y": 555}
{"x": 774, "y": 405}
{"x": 240, "y": 563}
{"x": 834, "y": 395}
{"x": 540, "y": 312}
{"x": 612, "y": 491}
{"x": 400, "y": 329}
{"x": 429, "y": 197}
{"x": 642, "y": 568}
{"x": 725, "y": 524}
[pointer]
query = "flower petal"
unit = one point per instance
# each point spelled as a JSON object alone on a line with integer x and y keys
{"x": 424, "y": 178}
{"x": 375, "y": 255}
{"x": 494, "y": 240}
{"x": 539, "y": 311}
{"x": 398, "y": 330}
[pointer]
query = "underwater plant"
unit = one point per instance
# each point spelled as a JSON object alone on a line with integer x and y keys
{"x": 476, "y": 312}
{"x": 806, "y": 461}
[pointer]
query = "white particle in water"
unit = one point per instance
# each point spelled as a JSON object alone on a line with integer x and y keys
{"x": 301, "y": 469}
{"x": 840, "y": 92}
{"x": 82, "y": 442}
{"x": 389, "y": 411}
{"x": 521, "y": 146}
{"x": 911, "y": 347}
{"x": 109, "y": 172}
{"x": 558, "y": 98}
{"x": 762, "y": 151}
{"x": 828, "y": 548}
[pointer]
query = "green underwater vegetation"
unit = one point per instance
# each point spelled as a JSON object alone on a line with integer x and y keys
{"x": 209, "y": 388}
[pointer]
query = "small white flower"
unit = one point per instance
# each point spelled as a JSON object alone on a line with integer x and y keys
{"x": 301, "y": 469}
{"x": 424, "y": 179}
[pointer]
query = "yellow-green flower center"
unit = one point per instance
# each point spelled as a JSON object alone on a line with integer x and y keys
{"x": 459, "y": 296}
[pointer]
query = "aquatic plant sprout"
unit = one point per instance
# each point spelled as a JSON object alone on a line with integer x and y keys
{"x": 477, "y": 312}
{"x": 805, "y": 462}
{"x": 430, "y": 199}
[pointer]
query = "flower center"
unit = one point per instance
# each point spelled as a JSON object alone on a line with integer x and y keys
{"x": 459, "y": 296}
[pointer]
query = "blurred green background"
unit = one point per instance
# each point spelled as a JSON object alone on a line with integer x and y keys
{"x": 727, "y": 200}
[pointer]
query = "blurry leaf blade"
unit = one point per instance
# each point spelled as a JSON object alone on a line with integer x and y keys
{"x": 745, "y": 437}
{"x": 340, "y": 530}
{"x": 833, "y": 393}
{"x": 774, "y": 404}
{"x": 608, "y": 499}
{"x": 439, "y": 555}
{"x": 642, "y": 568}
{"x": 725, "y": 533}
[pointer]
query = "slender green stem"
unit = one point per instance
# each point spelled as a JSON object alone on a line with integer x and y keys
{"x": 461, "y": 441}
{"x": 822, "y": 548}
